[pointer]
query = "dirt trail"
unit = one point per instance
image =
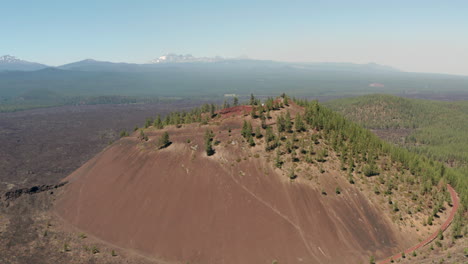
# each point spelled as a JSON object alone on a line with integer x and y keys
{"x": 445, "y": 225}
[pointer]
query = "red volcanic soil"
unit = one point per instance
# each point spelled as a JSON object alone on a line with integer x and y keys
{"x": 236, "y": 110}
{"x": 179, "y": 205}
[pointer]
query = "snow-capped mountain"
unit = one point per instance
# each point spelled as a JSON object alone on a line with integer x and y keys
{"x": 9, "y": 59}
{"x": 12, "y": 63}
{"x": 176, "y": 58}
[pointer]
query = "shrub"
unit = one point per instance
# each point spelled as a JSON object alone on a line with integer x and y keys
{"x": 337, "y": 190}
{"x": 370, "y": 170}
{"x": 94, "y": 250}
{"x": 430, "y": 219}
{"x": 440, "y": 235}
{"x": 143, "y": 136}
{"x": 291, "y": 174}
{"x": 124, "y": 133}
{"x": 66, "y": 247}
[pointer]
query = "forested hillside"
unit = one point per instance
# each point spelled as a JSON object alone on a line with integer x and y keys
{"x": 438, "y": 130}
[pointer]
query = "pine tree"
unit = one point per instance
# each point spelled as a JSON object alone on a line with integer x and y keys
{"x": 212, "y": 110}
{"x": 164, "y": 141}
{"x": 263, "y": 120}
{"x": 287, "y": 122}
{"x": 291, "y": 173}
{"x": 269, "y": 135}
{"x": 158, "y": 123}
{"x": 251, "y": 141}
{"x": 280, "y": 123}
{"x": 278, "y": 162}
{"x": 236, "y": 101}
{"x": 143, "y": 136}
{"x": 258, "y": 133}
{"x": 253, "y": 113}
{"x": 246, "y": 129}
{"x": 148, "y": 122}
{"x": 299, "y": 123}
{"x": 252, "y": 99}
{"x": 123, "y": 133}
{"x": 209, "y": 142}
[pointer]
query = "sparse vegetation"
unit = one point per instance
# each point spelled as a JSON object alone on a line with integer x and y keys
{"x": 94, "y": 250}
{"x": 143, "y": 136}
{"x": 124, "y": 133}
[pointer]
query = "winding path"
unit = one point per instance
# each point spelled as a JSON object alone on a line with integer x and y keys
{"x": 445, "y": 225}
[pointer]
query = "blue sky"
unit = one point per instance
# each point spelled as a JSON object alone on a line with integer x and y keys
{"x": 425, "y": 36}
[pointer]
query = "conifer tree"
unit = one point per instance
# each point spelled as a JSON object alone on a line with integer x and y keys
{"x": 251, "y": 141}
{"x": 209, "y": 142}
{"x": 252, "y": 99}
{"x": 246, "y": 129}
{"x": 287, "y": 122}
{"x": 212, "y": 110}
{"x": 280, "y": 123}
{"x": 269, "y": 135}
{"x": 164, "y": 140}
{"x": 299, "y": 123}
{"x": 278, "y": 162}
{"x": 263, "y": 120}
{"x": 258, "y": 133}
{"x": 158, "y": 123}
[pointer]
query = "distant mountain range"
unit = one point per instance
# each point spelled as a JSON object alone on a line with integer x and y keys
{"x": 175, "y": 58}
{"x": 11, "y": 63}
{"x": 25, "y": 85}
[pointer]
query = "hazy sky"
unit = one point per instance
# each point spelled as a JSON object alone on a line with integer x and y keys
{"x": 412, "y": 35}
